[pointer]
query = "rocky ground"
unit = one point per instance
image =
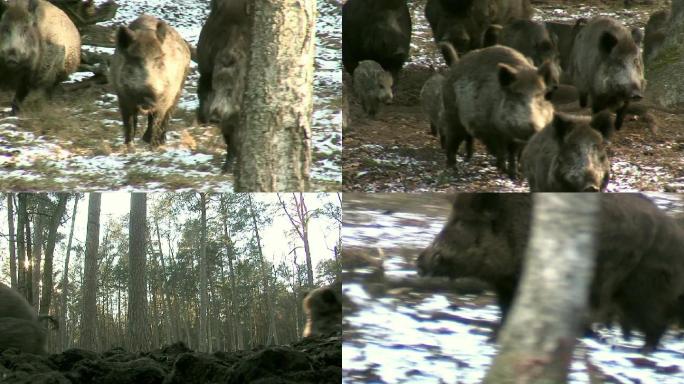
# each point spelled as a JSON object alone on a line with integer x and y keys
{"x": 307, "y": 361}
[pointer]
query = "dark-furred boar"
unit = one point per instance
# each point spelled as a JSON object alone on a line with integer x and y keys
{"x": 639, "y": 271}
{"x": 39, "y": 48}
{"x": 25, "y": 335}
{"x": 606, "y": 65}
{"x": 147, "y": 71}
{"x": 569, "y": 155}
{"x": 13, "y": 304}
{"x": 378, "y": 30}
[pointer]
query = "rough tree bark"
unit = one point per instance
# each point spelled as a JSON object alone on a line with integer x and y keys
{"x": 540, "y": 333}
{"x": 12, "y": 251}
{"x": 89, "y": 300}
{"x": 233, "y": 310}
{"x": 138, "y": 327}
{"x": 274, "y": 142}
{"x": 664, "y": 87}
{"x": 64, "y": 340}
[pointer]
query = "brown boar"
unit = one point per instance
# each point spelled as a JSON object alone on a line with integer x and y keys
{"x": 39, "y": 48}
{"x": 147, "y": 71}
{"x": 323, "y": 309}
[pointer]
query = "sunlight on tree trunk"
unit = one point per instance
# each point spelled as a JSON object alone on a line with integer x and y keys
{"x": 12, "y": 251}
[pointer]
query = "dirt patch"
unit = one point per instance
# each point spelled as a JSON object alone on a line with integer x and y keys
{"x": 395, "y": 151}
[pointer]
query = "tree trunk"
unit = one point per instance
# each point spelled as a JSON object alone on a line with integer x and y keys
{"x": 233, "y": 310}
{"x": 21, "y": 244}
{"x": 138, "y": 330}
{"x": 41, "y": 204}
{"x": 168, "y": 292}
{"x": 203, "y": 341}
{"x": 274, "y": 142}
{"x": 89, "y": 321}
{"x": 29, "y": 254}
{"x": 12, "y": 251}
{"x": 548, "y": 311}
{"x": 55, "y": 219}
{"x": 301, "y": 226}
{"x": 664, "y": 87}
{"x": 65, "y": 283}
{"x": 265, "y": 275}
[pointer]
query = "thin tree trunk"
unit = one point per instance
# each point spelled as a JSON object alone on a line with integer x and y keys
{"x": 65, "y": 282}
{"x": 237, "y": 324}
{"x": 38, "y": 228}
{"x": 301, "y": 226}
{"x": 275, "y": 137}
{"x": 50, "y": 250}
{"x": 167, "y": 292}
{"x": 89, "y": 313}
{"x": 12, "y": 251}
{"x": 21, "y": 245}
{"x": 545, "y": 320}
{"x": 270, "y": 309}
{"x": 29, "y": 256}
{"x": 138, "y": 329}
{"x": 203, "y": 342}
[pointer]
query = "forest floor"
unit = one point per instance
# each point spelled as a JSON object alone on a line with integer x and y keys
{"x": 307, "y": 361}
{"x": 75, "y": 140}
{"x": 395, "y": 152}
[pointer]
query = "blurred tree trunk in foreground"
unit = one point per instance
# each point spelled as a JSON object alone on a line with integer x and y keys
{"x": 274, "y": 140}
{"x": 64, "y": 340}
{"x": 538, "y": 339}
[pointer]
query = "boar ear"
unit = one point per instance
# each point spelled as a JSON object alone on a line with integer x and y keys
{"x": 607, "y": 42}
{"x": 604, "y": 123}
{"x": 507, "y": 74}
{"x": 162, "y": 30}
{"x": 561, "y": 125}
{"x": 328, "y": 296}
{"x": 124, "y": 37}
{"x": 637, "y": 36}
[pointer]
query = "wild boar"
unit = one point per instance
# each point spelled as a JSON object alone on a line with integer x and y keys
{"x": 147, "y": 71}
{"x": 323, "y": 309}
{"x": 639, "y": 271}
{"x": 26, "y": 335}
{"x": 39, "y": 48}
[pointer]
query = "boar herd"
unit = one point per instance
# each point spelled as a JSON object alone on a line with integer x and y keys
{"x": 504, "y": 69}
{"x": 639, "y": 272}
{"x": 40, "y": 47}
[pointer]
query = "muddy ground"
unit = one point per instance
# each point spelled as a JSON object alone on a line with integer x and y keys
{"x": 308, "y": 361}
{"x": 395, "y": 151}
{"x": 74, "y": 141}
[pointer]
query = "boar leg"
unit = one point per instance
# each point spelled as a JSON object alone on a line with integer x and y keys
{"x": 583, "y": 98}
{"x": 130, "y": 121}
{"x": 203, "y": 90}
{"x": 620, "y": 115}
{"x": 229, "y": 130}
{"x": 19, "y": 96}
{"x": 153, "y": 133}
{"x": 512, "y": 160}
